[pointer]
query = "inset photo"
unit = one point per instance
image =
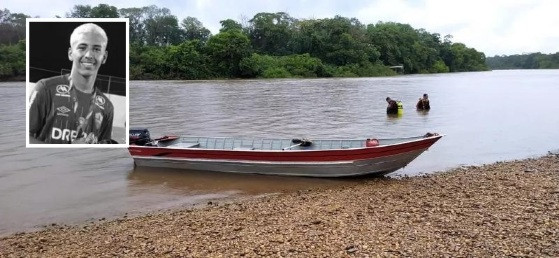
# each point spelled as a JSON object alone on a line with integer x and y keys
{"x": 77, "y": 83}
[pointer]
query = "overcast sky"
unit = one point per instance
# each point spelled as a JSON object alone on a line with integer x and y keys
{"x": 495, "y": 27}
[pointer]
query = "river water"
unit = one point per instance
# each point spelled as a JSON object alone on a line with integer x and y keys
{"x": 486, "y": 117}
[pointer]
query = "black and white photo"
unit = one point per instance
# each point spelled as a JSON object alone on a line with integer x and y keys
{"x": 77, "y": 82}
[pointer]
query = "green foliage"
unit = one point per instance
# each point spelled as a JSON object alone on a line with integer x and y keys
{"x": 341, "y": 71}
{"x": 525, "y": 61}
{"x": 400, "y": 44}
{"x": 276, "y": 72}
{"x": 162, "y": 28}
{"x": 12, "y": 27}
{"x": 271, "y": 45}
{"x": 439, "y": 67}
{"x": 12, "y": 61}
{"x": 136, "y": 18}
{"x": 268, "y": 32}
{"x": 338, "y": 41}
{"x": 280, "y": 66}
{"x": 100, "y": 11}
{"x": 151, "y": 62}
{"x": 550, "y": 61}
{"x": 360, "y": 70}
{"x": 466, "y": 59}
{"x": 186, "y": 61}
{"x": 255, "y": 65}
{"x": 302, "y": 65}
{"x": 194, "y": 29}
{"x": 80, "y": 11}
{"x": 104, "y": 11}
{"x": 228, "y": 25}
{"x": 225, "y": 51}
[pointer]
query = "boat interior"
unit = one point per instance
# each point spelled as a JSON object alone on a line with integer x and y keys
{"x": 226, "y": 143}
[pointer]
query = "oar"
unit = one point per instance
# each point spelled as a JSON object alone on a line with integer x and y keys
{"x": 292, "y": 146}
{"x": 303, "y": 142}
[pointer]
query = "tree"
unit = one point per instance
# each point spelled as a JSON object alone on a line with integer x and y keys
{"x": 282, "y": 66}
{"x": 80, "y": 11}
{"x": 187, "y": 61}
{"x": 136, "y": 19}
{"x": 395, "y": 42}
{"x": 151, "y": 62}
{"x": 194, "y": 30}
{"x": 104, "y": 11}
{"x": 99, "y": 11}
{"x": 161, "y": 27}
{"x": 524, "y": 61}
{"x": 229, "y": 25}
{"x": 416, "y": 49}
{"x": 12, "y": 27}
{"x": 466, "y": 59}
{"x": 226, "y": 50}
{"x": 338, "y": 41}
{"x": 12, "y": 60}
{"x": 269, "y": 32}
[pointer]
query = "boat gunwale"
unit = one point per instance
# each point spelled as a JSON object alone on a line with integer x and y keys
{"x": 416, "y": 139}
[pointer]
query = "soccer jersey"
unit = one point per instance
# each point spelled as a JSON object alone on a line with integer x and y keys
{"x": 60, "y": 113}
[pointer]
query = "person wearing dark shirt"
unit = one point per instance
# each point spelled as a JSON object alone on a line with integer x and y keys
{"x": 423, "y": 103}
{"x": 68, "y": 108}
{"x": 392, "y": 107}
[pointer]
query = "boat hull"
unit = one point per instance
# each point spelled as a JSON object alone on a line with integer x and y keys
{"x": 381, "y": 166}
{"x": 320, "y": 163}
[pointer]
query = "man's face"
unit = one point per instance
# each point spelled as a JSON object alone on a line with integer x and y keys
{"x": 87, "y": 53}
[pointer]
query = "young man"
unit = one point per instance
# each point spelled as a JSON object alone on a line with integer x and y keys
{"x": 423, "y": 103}
{"x": 68, "y": 108}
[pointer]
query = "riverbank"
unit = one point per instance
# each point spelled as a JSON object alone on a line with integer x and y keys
{"x": 501, "y": 209}
{"x": 20, "y": 78}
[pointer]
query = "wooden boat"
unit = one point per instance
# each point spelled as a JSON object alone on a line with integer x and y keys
{"x": 290, "y": 157}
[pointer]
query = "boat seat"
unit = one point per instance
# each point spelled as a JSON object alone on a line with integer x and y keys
{"x": 191, "y": 144}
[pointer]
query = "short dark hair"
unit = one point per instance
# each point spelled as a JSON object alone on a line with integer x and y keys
{"x": 387, "y": 98}
{"x": 425, "y": 95}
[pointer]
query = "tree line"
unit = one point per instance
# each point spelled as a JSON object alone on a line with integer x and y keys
{"x": 276, "y": 45}
{"x": 524, "y": 61}
{"x": 12, "y": 45}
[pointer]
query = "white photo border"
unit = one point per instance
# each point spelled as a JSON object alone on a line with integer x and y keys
{"x": 28, "y": 87}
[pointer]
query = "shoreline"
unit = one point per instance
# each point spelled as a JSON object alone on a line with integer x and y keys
{"x": 14, "y": 79}
{"x": 505, "y": 208}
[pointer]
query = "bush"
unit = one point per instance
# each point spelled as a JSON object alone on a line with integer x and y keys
{"x": 439, "y": 67}
{"x": 279, "y": 67}
{"x": 12, "y": 61}
{"x": 276, "y": 72}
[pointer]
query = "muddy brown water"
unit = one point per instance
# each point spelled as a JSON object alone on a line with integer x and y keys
{"x": 486, "y": 117}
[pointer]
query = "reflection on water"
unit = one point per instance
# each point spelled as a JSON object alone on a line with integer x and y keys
{"x": 422, "y": 112}
{"x": 189, "y": 181}
{"x": 486, "y": 117}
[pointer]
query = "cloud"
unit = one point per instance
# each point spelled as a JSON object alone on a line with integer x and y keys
{"x": 494, "y": 27}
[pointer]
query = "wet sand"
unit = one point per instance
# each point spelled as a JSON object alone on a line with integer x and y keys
{"x": 502, "y": 209}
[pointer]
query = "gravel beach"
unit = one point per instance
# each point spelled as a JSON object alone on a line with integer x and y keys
{"x": 501, "y": 209}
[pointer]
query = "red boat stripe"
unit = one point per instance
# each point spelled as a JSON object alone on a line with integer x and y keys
{"x": 295, "y": 156}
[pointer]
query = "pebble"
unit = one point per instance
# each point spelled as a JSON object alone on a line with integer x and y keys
{"x": 501, "y": 209}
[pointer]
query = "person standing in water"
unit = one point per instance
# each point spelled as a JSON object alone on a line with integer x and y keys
{"x": 423, "y": 103}
{"x": 394, "y": 107}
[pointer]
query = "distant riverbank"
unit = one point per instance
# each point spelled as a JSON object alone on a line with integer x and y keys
{"x": 501, "y": 209}
{"x": 14, "y": 79}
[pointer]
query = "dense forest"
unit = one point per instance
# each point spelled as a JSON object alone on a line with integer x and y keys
{"x": 269, "y": 45}
{"x": 525, "y": 61}
{"x": 12, "y": 45}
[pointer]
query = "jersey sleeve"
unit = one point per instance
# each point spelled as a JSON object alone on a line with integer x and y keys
{"x": 38, "y": 108}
